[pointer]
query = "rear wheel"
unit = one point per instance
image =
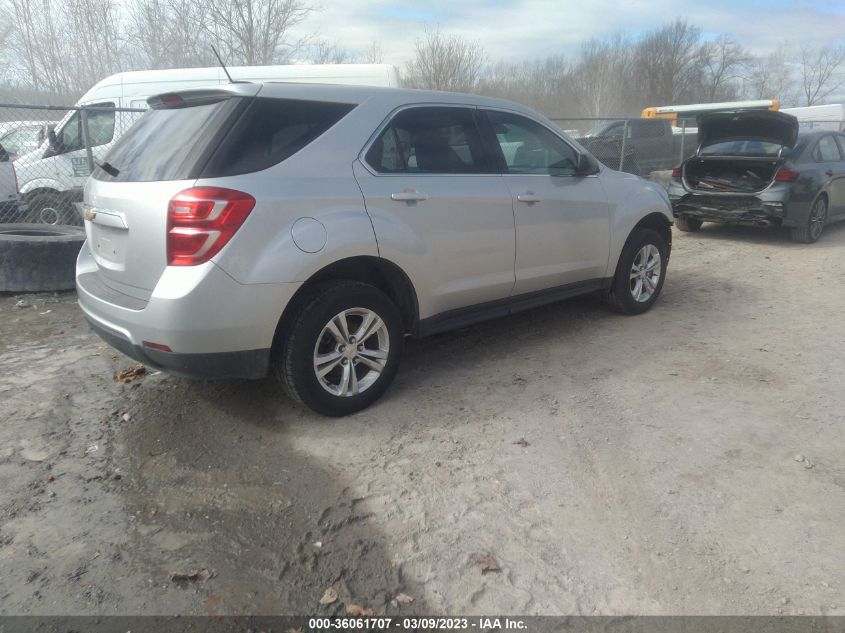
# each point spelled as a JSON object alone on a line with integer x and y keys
{"x": 343, "y": 348}
{"x": 812, "y": 230}
{"x": 639, "y": 273}
{"x": 688, "y": 224}
{"x": 50, "y": 208}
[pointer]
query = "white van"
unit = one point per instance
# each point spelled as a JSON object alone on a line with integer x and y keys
{"x": 51, "y": 177}
{"x": 820, "y": 117}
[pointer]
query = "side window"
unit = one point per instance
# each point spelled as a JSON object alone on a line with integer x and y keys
{"x": 826, "y": 150}
{"x": 841, "y": 141}
{"x": 20, "y": 141}
{"x": 100, "y": 129}
{"x": 531, "y": 148}
{"x": 652, "y": 129}
{"x": 101, "y": 124}
{"x": 429, "y": 140}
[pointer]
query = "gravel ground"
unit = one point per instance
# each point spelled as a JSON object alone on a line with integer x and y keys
{"x": 687, "y": 461}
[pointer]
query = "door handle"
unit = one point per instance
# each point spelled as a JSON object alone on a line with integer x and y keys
{"x": 409, "y": 196}
{"x": 829, "y": 172}
{"x": 529, "y": 197}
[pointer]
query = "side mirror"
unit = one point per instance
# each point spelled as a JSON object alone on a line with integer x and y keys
{"x": 52, "y": 143}
{"x": 587, "y": 165}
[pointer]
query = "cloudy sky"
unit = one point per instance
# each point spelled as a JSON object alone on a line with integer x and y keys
{"x": 525, "y": 29}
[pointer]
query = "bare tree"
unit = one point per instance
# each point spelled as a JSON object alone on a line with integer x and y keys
{"x": 821, "y": 72}
{"x": 373, "y": 54}
{"x": 772, "y": 77}
{"x": 542, "y": 84}
{"x": 445, "y": 62}
{"x": 331, "y": 53}
{"x": 724, "y": 61}
{"x": 96, "y": 31}
{"x": 38, "y": 38}
{"x": 668, "y": 64}
{"x": 257, "y": 32}
{"x": 603, "y": 67}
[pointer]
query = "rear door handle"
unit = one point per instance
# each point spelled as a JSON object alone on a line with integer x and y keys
{"x": 409, "y": 196}
{"x": 829, "y": 172}
{"x": 529, "y": 197}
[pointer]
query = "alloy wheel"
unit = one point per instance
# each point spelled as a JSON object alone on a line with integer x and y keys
{"x": 351, "y": 352}
{"x": 645, "y": 273}
{"x": 818, "y": 217}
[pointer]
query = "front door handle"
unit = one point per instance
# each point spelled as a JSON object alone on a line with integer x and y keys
{"x": 529, "y": 197}
{"x": 829, "y": 172}
{"x": 409, "y": 196}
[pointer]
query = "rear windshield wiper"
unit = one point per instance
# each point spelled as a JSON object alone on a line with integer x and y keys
{"x": 110, "y": 169}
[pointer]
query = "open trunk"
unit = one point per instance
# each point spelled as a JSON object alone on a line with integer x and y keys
{"x": 730, "y": 175}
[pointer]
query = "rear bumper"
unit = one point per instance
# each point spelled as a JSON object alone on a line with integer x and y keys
{"x": 738, "y": 210}
{"x": 769, "y": 207}
{"x": 215, "y": 326}
{"x": 245, "y": 364}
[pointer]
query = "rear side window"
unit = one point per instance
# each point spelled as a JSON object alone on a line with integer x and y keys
{"x": 429, "y": 140}
{"x": 269, "y": 131}
{"x": 213, "y": 137}
{"x": 826, "y": 150}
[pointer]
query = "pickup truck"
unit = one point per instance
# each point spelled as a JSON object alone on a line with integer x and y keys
{"x": 649, "y": 144}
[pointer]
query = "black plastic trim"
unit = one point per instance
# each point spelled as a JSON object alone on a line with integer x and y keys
{"x": 242, "y": 364}
{"x": 462, "y": 317}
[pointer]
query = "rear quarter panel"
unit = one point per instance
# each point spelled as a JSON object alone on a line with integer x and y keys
{"x": 264, "y": 251}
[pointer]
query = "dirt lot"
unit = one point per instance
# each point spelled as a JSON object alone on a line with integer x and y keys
{"x": 686, "y": 461}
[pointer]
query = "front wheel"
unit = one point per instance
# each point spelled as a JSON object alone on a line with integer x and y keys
{"x": 812, "y": 230}
{"x": 342, "y": 349}
{"x": 639, "y": 273}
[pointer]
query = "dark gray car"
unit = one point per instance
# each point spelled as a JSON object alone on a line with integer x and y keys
{"x": 755, "y": 168}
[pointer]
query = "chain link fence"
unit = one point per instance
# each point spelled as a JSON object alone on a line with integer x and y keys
{"x": 637, "y": 146}
{"x": 47, "y": 154}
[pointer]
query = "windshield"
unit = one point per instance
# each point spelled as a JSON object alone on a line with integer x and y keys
{"x": 742, "y": 147}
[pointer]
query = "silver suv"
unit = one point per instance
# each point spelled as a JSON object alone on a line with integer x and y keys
{"x": 307, "y": 229}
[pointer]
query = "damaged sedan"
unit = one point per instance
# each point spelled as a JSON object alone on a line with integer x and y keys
{"x": 753, "y": 167}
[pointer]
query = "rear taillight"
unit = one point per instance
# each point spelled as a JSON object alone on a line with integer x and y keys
{"x": 200, "y": 222}
{"x": 676, "y": 172}
{"x": 786, "y": 175}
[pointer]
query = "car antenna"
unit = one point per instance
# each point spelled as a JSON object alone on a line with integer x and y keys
{"x": 222, "y": 65}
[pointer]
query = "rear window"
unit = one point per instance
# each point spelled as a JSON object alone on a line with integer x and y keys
{"x": 741, "y": 148}
{"x": 217, "y": 138}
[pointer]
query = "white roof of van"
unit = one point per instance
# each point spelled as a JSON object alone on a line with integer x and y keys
{"x": 144, "y": 83}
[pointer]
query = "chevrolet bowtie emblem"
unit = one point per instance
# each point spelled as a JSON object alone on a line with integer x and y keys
{"x": 89, "y": 214}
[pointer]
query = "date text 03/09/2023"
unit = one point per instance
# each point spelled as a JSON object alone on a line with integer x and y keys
{"x": 418, "y": 623}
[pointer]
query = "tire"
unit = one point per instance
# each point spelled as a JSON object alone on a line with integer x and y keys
{"x": 816, "y": 219}
{"x": 310, "y": 336}
{"x": 50, "y": 208}
{"x": 627, "y": 294}
{"x": 38, "y": 257}
{"x": 688, "y": 224}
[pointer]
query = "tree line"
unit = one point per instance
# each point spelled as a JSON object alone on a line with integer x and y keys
{"x": 56, "y": 49}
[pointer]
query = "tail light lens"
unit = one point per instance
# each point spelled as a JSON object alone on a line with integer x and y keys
{"x": 676, "y": 172}
{"x": 786, "y": 175}
{"x": 201, "y": 221}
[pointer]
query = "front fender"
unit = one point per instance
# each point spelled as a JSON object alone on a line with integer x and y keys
{"x": 631, "y": 199}
{"x": 29, "y": 186}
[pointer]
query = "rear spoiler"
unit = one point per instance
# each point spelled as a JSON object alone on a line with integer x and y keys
{"x": 187, "y": 99}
